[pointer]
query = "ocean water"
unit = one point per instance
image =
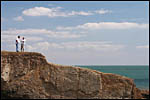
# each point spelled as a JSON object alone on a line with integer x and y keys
{"x": 140, "y": 73}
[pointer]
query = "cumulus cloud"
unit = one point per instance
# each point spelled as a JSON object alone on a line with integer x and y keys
{"x": 7, "y": 38}
{"x": 10, "y": 39}
{"x": 50, "y": 12}
{"x": 33, "y": 38}
{"x": 143, "y": 47}
{"x": 106, "y": 25}
{"x": 49, "y": 33}
{"x": 64, "y": 35}
{"x": 80, "y": 46}
{"x": 42, "y": 11}
{"x": 19, "y": 18}
{"x": 54, "y": 12}
{"x": 102, "y": 11}
{"x": 25, "y": 31}
{"x": 79, "y": 13}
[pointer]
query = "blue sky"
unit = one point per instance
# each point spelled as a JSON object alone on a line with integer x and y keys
{"x": 79, "y": 32}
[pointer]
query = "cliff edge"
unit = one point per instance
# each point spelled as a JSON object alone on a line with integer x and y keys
{"x": 29, "y": 75}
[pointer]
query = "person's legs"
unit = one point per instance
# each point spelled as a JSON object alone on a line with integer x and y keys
{"x": 17, "y": 47}
{"x": 21, "y": 47}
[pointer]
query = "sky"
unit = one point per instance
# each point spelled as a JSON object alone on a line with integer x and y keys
{"x": 79, "y": 32}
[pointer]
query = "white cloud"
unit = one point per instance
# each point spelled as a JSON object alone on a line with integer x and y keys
{"x": 112, "y": 25}
{"x": 19, "y": 18}
{"x": 33, "y": 38}
{"x": 143, "y": 47}
{"x": 29, "y": 48}
{"x": 54, "y": 12}
{"x": 49, "y": 33}
{"x": 104, "y": 46}
{"x": 11, "y": 38}
{"x": 8, "y": 38}
{"x": 25, "y": 31}
{"x": 106, "y": 25}
{"x": 64, "y": 35}
{"x": 102, "y": 11}
{"x": 50, "y": 12}
{"x": 37, "y": 11}
{"x": 80, "y": 46}
{"x": 80, "y": 13}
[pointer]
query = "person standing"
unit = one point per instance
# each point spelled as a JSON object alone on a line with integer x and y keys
{"x": 17, "y": 43}
{"x": 22, "y": 44}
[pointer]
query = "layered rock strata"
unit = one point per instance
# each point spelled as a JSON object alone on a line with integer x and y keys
{"x": 28, "y": 75}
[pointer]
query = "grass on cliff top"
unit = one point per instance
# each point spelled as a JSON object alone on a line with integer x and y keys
{"x": 20, "y": 53}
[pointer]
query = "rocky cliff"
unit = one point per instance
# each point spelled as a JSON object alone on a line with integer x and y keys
{"x": 29, "y": 75}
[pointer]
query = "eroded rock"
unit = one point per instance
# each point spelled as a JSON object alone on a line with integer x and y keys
{"x": 29, "y": 75}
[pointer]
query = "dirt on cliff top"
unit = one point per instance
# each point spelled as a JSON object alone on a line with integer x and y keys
{"x": 21, "y": 53}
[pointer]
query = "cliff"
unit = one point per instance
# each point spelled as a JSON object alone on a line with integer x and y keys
{"x": 29, "y": 75}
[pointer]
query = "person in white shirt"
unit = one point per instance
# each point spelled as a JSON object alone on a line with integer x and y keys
{"x": 17, "y": 43}
{"x": 22, "y": 44}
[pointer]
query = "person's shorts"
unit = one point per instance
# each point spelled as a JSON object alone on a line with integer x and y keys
{"x": 22, "y": 45}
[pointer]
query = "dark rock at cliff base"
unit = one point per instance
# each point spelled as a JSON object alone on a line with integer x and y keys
{"x": 145, "y": 94}
{"x": 28, "y": 75}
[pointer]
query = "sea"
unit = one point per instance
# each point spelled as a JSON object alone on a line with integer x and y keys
{"x": 139, "y": 73}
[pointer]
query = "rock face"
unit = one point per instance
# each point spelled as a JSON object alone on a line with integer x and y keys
{"x": 145, "y": 94}
{"x": 29, "y": 75}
